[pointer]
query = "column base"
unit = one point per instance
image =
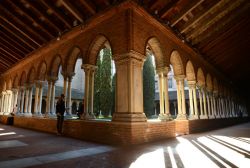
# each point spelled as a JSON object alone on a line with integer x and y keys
{"x": 193, "y": 117}
{"x": 28, "y": 114}
{"x": 87, "y": 116}
{"x": 1, "y": 113}
{"x": 40, "y": 115}
{"x": 129, "y": 117}
{"x": 203, "y": 117}
{"x": 181, "y": 117}
{"x": 211, "y": 117}
{"x": 165, "y": 117}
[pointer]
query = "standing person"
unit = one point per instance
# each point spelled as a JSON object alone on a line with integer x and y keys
{"x": 60, "y": 109}
{"x": 14, "y": 111}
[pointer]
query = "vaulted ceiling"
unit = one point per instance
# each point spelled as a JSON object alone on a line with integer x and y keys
{"x": 218, "y": 29}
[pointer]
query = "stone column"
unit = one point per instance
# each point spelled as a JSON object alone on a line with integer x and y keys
{"x": 201, "y": 104}
{"x": 30, "y": 101}
{"x": 209, "y": 105}
{"x": 52, "y": 105}
{"x": 40, "y": 98}
{"x": 26, "y": 100}
{"x": 181, "y": 98}
{"x": 19, "y": 101}
{"x": 205, "y": 103}
{"x": 91, "y": 92}
{"x": 86, "y": 115}
{"x": 129, "y": 88}
{"x": 166, "y": 100}
{"x": 22, "y": 101}
{"x": 0, "y": 103}
{"x": 161, "y": 93}
{"x": 48, "y": 99}
{"x": 192, "y": 100}
{"x": 65, "y": 85}
{"x": 36, "y": 99}
{"x": 69, "y": 96}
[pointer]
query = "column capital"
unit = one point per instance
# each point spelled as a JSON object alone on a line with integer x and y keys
{"x": 179, "y": 77}
{"x": 191, "y": 84}
{"x": 52, "y": 78}
{"x": 165, "y": 70}
{"x": 129, "y": 56}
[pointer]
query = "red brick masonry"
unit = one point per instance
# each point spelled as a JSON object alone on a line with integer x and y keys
{"x": 120, "y": 133}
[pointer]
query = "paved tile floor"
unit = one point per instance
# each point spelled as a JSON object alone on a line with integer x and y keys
{"x": 229, "y": 147}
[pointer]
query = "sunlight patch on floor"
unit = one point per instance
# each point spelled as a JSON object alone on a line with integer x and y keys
{"x": 149, "y": 160}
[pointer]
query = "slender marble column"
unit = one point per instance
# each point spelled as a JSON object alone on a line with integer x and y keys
{"x": 196, "y": 115}
{"x": 48, "y": 99}
{"x": 166, "y": 100}
{"x": 191, "y": 101}
{"x": 181, "y": 98}
{"x": 86, "y": 115}
{"x": 205, "y": 103}
{"x": 26, "y": 101}
{"x": 161, "y": 94}
{"x": 22, "y": 100}
{"x": 201, "y": 104}
{"x": 52, "y": 105}
{"x": 30, "y": 101}
{"x": 40, "y": 98}
{"x": 69, "y": 96}
{"x": 36, "y": 99}
{"x": 92, "y": 80}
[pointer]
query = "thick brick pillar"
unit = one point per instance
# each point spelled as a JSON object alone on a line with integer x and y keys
{"x": 129, "y": 91}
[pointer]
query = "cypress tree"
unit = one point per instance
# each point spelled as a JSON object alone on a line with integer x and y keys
{"x": 97, "y": 87}
{"x": 148, "y": 86}
{"x": 113, "y": 93}
{"x": 106, "y": 85}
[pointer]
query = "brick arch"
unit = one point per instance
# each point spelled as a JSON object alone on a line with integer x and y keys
{"x": 215, "y": 85}
{"x": 4, "y": 85}
{"x": 9, "y": 84}
{"x": 209, "y": 82}
{"x": 55, "y": 65}
{"x": 31, "y": 75}
{"x": 74, "y": 53}
{"x": 42, "y": 71}
{"x": 200, "y": 77}
{"x": 95, "y": 47}
{"x": 15, "y": 82}
{"x": 154, "y": 45}
{"x": 190, "y": 73}
{"x": 22, "y": 81}
{"x": 176, "y": 62}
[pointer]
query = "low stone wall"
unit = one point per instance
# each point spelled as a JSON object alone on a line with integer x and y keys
{"x": 120, "y": 133}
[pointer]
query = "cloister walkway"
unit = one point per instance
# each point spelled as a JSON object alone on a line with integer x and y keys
{"x": 228, "y": 147}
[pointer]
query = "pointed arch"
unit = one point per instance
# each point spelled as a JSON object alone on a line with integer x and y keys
{"x": 96, "y": 45}
{"x": 9, "y": 84}
{"x": 176, "y": 62}
{"x": 31, "y": 75}
{"x": 215, "y": 85}
{"x": 15, "y": 82}
{"x": 55, "y": 65}
{"x": 42, "y": 71}
{"x": 74, "y": 53}
{"x": 22, "y": 81}
{"x": 154, "y": 45}
{"x": 190, "y": 73}
{"x": 200, "y": 77}
{"x": 209, "y": 83}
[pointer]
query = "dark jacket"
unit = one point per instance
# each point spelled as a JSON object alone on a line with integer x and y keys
{"x": 60, "y": 107}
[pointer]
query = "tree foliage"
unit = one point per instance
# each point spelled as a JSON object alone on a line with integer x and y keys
{"x": 148, "y": 86}
{"x": 103, "y": 99}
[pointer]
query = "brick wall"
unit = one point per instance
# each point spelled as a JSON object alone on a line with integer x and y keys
{"x": 121, "y": 133}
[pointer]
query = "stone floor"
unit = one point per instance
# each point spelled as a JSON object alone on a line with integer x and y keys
{"x": 229, "y": 147}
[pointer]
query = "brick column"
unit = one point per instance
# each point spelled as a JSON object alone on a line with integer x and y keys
{"x": 129, "y": 92}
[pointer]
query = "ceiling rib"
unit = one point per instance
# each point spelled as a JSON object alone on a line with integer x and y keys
{"x": 72, "y": 10}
